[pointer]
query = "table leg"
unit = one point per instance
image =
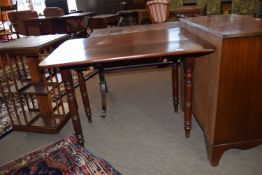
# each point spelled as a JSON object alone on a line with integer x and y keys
{"x": 175, "y": 85}
{"x": 84, "y": 94}
{"x": 188, "y": 64}
{"x": 73, "y": 108}
{"x": 103, "y": 90}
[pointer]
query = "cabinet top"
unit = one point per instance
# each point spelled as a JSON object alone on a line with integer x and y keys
{"x": 227, "y": 26}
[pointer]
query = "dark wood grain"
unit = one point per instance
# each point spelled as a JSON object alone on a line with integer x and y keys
{"x": 132, "y": 29}
{"x": 84, "y": 94}
{"x": 227, "y": 25}
{"x": 71, "y": 98}
{"x": 131, "y": 46}
{"x": 227, "y": 87}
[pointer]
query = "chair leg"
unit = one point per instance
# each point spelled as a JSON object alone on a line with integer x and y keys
{"x": 103, "y": 90}
{"x": 84, "y": 95}
{"x": 175, "y": 85}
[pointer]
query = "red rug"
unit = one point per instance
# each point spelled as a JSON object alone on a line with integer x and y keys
{"x": 63, "y": 157}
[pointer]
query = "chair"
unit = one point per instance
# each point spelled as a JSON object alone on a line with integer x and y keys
{"x": 53, "y": 11}
{"x": 63, "y": 157}
{"x": 8, "y": 31}
{"x": 20, "y": 16}
{"x": 158, "y": 10}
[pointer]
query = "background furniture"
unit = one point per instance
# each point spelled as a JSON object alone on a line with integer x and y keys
{"x": 158, "y": 10}
{"x": 59, "y": 24}
{"x": 128, "y": 18}
{"x": 58, "y": 3}
{"x": 22, "y": 15}
{"x": 53, "y": 11}
{"x": 7, "y": 29}
{"x": 103, "y": 21}
{"x": 188, "y": 11}
{"x": 32, "y": 105}
{"x": 74, "y": 26}
{"x": 227, "y": 88}
{"x": 62, "y": 157}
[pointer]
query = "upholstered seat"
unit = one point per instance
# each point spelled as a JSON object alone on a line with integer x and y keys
{"x": 62, "y": 157}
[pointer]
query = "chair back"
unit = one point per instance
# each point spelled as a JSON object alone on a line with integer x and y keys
{"x": 21, "y": 16}
{"x": 158, "y": 10}
{"x": 53, "y": 11}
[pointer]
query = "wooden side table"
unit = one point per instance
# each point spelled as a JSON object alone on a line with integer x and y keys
{"x": 33, "y": 98}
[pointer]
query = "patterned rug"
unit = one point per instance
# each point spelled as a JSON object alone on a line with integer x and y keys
{"x": 62, "y": 157}
{"x": 5, "y": 125}
{"x": 4, "y": 120}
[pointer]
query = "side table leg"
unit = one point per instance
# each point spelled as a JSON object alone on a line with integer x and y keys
{"x": 103, "y": 90}
{"x": 84, "y": 95}
{"x": 188, "y": 64}
{"x": 175, "y": 85}
{"x": 73, "y": 108}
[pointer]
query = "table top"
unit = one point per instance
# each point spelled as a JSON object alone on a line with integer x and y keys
{"x": 68, "y": 16}
{"x": 132, "y": 29}
{"x": 131, "y": 46}
{"x": 31, "y": 43}
{"x": 227, "y": 25}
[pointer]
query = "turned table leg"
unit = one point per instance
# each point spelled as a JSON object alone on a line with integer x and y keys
{"x": 103, "y": 90}
{"x": 84, "y": 94}
{"x": 188, "y": 64}
{"x": 72, "y": 103}
{"x": 175, "y": 85}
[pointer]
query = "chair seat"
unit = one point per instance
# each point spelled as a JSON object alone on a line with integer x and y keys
{"x": 62, "y": 157}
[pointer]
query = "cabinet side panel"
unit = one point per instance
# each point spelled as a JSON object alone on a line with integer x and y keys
{"x": 205, "y": 85}
{"x": 239, "y": 108}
